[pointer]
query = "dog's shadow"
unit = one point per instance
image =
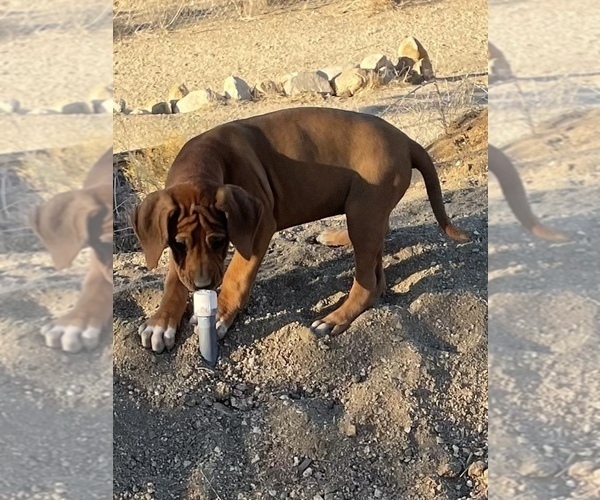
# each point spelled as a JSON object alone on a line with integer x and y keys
{"x": 284, "y": 295}
{"x": 300, "y": 295}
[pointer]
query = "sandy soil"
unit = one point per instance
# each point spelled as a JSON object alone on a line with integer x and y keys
{"x": 543, "y": 324}
{"x": 55, "y": 410}
{"x": 277, "y": 417}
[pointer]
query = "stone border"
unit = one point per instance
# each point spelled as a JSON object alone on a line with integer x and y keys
{"x": 412, "y": 65}
{"x": 100, "y": 102}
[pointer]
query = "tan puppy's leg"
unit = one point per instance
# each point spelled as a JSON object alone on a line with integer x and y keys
{"x": 159, "y": 331}
{"x": 239, "y": 279}
{"x": 367, "y": 232}
{"x": 81, "y": 327}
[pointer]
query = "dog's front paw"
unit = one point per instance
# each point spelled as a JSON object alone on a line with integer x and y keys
{"x": 328, "y": 326}
{"x": 158, "y": 332}
{"x": 221, "y": 326}
{"x": 72, "y": 335}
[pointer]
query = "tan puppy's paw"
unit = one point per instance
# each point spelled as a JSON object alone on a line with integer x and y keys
{"x": 72, "y": 336}
{"x": 327, "y": 326}
{"x": 158, "y": 332}
{"x": 221, "y": 325}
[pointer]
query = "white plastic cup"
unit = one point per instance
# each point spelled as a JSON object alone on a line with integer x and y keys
{"x": 205, "y": 310}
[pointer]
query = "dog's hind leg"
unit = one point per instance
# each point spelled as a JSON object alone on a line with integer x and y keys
{"x": 335, "y": 238}
{"x": 367, "y": 233}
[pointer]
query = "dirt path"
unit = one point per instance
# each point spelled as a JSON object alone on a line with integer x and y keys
{"x": 395, "y": 407}
{"x": 543, "y": 325}
{"x": 55, "y": 410}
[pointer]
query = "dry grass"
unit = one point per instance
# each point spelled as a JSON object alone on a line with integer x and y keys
{"x": 27, "y": 179}
{"x": 449, "y": 101}
{"x": 135, "y": 16}
{"x": 53, "y": 15}
{"x": 55, "y": 170}
{"x": 147, "y": 170}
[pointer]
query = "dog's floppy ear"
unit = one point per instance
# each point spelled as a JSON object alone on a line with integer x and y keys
{"x": 150, "y": 222}
{"x": 62, "y": 223}
{"x": 243, "y": 213}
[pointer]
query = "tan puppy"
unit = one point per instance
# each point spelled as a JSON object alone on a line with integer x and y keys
{"x": 66, "y": 224}
{"x": 243, "y": 181}
{"x": 514, "y": 192}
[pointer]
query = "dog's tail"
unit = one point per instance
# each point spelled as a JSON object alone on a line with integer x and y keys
{"x": 424, "y": 164}
{"x": 514, "y": 192}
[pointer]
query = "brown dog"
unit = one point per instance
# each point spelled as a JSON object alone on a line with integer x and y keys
{"x": 243, "y": 181}
{"x": 514, "y": 192}
{"x": 66, "y": 224}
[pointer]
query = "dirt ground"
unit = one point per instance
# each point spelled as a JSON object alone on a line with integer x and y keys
{"x": 55, "y": 410}
{"x": 396, "y": 407}
{"x": 543, "y": 299}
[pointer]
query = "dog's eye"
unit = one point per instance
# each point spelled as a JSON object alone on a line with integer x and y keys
{"x": 181, "y": 243}
{"x": 216, "y": 242}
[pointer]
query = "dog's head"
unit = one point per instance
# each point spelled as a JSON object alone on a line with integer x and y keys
{"x": 71, "y": 221}
{"x": 197, "y": 227}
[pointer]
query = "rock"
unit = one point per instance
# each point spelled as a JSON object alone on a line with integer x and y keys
{"x": 404, "y": 65}
{"x": 118, "y": 106}
{"x": 476, "y": 469}
{"x": 76, "y": 108}
{"x": 412, "y": 49}
{"x": 101, "y": 93}
{"x": 160, "y": 108}
{"x": 350, "y": 81}
{"x": 374, "y": 62}
{"x": 195, "y": 100}
{"x": 105, "y": 107}
{"x": 305, "y": 464}
{"x": 424, "y": 68}
{"x": 177, "y": 91}
{"x": 139, "y": 111}
{"x": 350, "y": 430}
{"x": 538, "y": 468}
{"x": 306, "y": 82}
{"x": 42, "y": 111}
{"x": 267, "y": 87}
{"x": 222, "y": 391}
{"x": 449, "y": 468}
{"x": 580, "y": 470}
{"x": 236, "y": 88}
{"x": 412, "y": 55}
{"x": 243, "y": 404}
{"x": 9, "y": 106}
{"x": 331, "y": 72}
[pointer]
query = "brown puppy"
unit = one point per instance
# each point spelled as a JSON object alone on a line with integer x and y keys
{"x": 243, "y": 181}
{"x": 66, "y": 224}
{"x": 514, "y": 192}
